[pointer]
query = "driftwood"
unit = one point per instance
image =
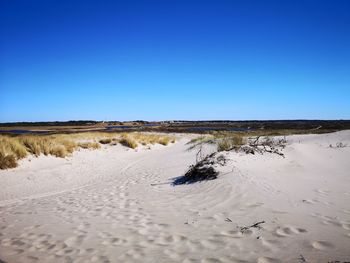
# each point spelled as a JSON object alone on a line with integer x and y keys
{"x": 261, "y": 146}
{"x": 256, "y": 225}
{"x": 203, "y": 170}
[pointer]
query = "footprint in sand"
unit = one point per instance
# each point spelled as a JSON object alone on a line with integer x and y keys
{"x": 100, "y": 259}
{"x": 288, "y": 231}
{"x": 323, "y": 191}
{"x": 114, "y": 242}
{"x": 270, "y": 243}
{"x": 268, "y": 260}
{"x": 346, "y": 226}
{"x": 212, "y": 244}
{"x": 322, "y": 245}
{"x": 211, "y": 260}
{"x": 237, "y": 233}
{"x": 74, "y": 240}
{"x": 332, "y": 222}
{"x": 310, "y": 201}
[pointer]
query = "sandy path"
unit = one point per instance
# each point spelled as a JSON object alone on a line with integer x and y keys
{"x": 101, "y": 206}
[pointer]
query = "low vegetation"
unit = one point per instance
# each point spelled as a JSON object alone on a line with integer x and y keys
{"x": 230, "y": 142}
{"x": 7, "y": 161}
{"x": 128, "y": 142}
{"x": 204, "y": 169}
{"x": 14, "y": 148}
{"x": 105, "y": 141}
{"x": 89, "y": 145}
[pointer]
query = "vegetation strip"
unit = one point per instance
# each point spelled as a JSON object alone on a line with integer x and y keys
{"x": 14, "y": 148}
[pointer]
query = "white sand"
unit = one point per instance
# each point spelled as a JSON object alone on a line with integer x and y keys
{"x": 100, "y": 206}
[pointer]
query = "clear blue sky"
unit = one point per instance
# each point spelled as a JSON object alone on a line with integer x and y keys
{"x": 155, "y": 60}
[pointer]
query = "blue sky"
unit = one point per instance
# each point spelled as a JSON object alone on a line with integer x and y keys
{"x": 156, "y": 60}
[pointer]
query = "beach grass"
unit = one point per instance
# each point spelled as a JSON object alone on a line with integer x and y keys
{"x": 128, "y": 142}
{"x": 226, "y": 143}
{"x": 14, "y": 148}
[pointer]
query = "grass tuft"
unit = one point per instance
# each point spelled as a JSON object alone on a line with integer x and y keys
{"x": 7, "y": 161}
{"x": 228, "y": 143}
{"x": 128, "y": 142}
{"x": 164, "y": 140}
{"x": 59, "y": 151}
{"x": 89, "y": 145}
{"x": 105, "y": 141}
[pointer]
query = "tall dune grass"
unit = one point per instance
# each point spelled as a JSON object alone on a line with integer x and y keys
{"x": 14, "y": 148}
{"x": 230, "y": 142}
{"x": 147, "y": 138}
{"x": 128, "y": 142}
{"x": 224, "y": 141}
{"x": 89, "y": 145}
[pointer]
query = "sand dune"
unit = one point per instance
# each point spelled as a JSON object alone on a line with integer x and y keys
{"x": 117, "y": 205}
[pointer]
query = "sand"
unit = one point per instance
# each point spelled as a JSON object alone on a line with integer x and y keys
{"x": 117, "y": 205}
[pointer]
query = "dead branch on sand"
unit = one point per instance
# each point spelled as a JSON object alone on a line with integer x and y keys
{"x": 261, "y": 146}
{"x": 203, "y": 170}
{"x": 256, "y": 225}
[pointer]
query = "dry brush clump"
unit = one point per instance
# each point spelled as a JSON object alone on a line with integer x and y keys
{"x": 204, "y": 169}
{"x": 240, "y": 142}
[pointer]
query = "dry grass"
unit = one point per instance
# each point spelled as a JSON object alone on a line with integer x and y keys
{"x": 89, "y": 145}
{"x": 223, "y": 140}
{"x": 133, "y": 139}
{"x": 14, "y": 148}
{"x": 230, "y": 142}
{"x": 128, "y": 142}
{"x": 164, "y": 140}
{"x": 7, "y": 161}
{"x": 148, "y": 138}
{"x": 10, "y": 146}
{"x": 59, "y": 151}
{"x": 105, "y": 141}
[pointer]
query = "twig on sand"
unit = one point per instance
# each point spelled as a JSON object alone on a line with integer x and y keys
{"x": 302, "y": 258}
{"x": 256, "y": 225}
